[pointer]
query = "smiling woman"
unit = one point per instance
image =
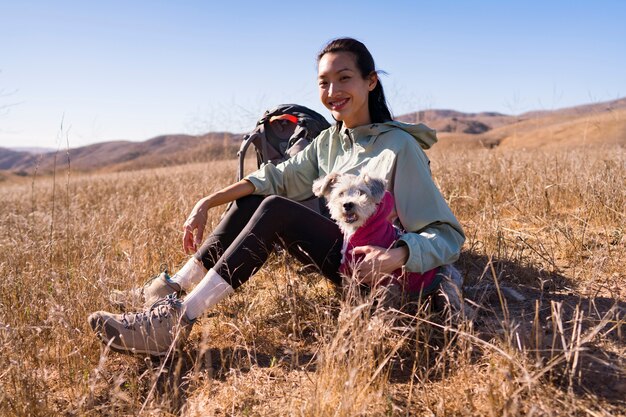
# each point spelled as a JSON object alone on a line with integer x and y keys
{"x": 364, "y": 139}
{"x": 346, "y": 71}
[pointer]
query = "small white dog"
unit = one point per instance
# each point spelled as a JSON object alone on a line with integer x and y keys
{"x": 363, "y": 210}
{"x": 351, "y": 199}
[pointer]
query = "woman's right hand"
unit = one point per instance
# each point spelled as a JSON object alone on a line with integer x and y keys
{"x": 193, "y": 228}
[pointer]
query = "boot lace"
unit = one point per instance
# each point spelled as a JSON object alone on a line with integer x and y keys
{"x": 160, "y": 310}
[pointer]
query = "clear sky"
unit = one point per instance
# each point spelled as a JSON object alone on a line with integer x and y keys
{"x": 136, "y": 69}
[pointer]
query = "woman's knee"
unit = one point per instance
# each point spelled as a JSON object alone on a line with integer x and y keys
{"x": 247, "y": 204}
{"x": 275, "y": 201}
{"x": 277, "y": 208}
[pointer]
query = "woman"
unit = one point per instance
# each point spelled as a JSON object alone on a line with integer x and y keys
{"x": 364, "y": 136}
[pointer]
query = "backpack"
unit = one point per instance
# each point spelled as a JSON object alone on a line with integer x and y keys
{"x": 281, "y": 133}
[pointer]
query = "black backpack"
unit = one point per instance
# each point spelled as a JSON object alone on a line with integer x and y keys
{"x": 281, "y": 133}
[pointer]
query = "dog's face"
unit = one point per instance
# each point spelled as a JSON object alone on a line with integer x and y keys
{"x": 351, "y": 199}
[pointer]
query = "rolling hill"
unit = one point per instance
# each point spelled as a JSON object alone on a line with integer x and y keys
{"x": 585, "y": 125}
{"x": 590, "y": 124}
{"x": 597, "y": 124}
{"x": 125, "y": 155}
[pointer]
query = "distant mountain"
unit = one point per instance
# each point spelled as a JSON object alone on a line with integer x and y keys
{"x": 452, "y": 121}
{"x": 589, "y": 124}
{"x": 125, "y": 155}
{"x": 584, "y": 125}
{"x": 33, "y": 150}
{"x": 582, "y": 110}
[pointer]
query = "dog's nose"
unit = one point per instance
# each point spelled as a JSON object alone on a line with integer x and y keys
{"x": 348, "y": 206}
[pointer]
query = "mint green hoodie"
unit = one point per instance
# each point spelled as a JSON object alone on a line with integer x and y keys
{"x": 390, "y": 150}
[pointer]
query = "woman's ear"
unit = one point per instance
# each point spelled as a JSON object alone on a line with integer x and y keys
{"x": 372, "y": 81}
{"x": 323, "y": 185}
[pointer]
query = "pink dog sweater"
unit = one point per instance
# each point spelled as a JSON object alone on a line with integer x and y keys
{"x": 378, "y": 231}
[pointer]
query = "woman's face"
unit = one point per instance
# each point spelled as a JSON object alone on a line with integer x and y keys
{"x": 343, "y": 90}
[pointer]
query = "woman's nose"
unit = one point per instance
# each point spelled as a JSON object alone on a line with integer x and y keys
{"x": 332, "y": 89}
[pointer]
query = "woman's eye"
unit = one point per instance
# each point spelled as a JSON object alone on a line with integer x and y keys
{"x": 323, "y": 83}
{"x": 344, "y": 78}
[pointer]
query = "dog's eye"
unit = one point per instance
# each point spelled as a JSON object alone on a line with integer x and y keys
{"x": 341, "y": 194}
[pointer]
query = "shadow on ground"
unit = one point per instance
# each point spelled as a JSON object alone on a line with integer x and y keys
{"x": 550, "y": 319}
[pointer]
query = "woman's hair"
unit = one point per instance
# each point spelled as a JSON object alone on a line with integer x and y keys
{"x": 377, "y": 104}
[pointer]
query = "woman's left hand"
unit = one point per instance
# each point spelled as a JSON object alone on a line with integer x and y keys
{"x": 378, "y": 261}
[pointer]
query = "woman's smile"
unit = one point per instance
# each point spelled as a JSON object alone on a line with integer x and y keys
{"x": 339, "y": 104}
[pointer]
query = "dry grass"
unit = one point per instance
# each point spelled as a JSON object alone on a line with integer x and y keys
{"x": 544, "y": 268}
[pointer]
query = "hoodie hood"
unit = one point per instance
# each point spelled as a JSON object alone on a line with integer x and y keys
{"x": 425, "y": 136}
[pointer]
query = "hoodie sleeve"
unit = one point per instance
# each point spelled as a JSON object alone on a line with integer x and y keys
{"x": 292, "y": 178}
{"x": 434, "y": 236}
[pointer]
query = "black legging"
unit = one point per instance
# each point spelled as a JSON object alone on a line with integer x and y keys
{"x": 244, "y": 238}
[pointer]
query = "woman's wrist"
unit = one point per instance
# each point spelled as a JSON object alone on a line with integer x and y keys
{"x": 204, "y": 205}
{"x": 399, "y": 255}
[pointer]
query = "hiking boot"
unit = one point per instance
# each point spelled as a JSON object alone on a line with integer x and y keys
{"x": 155, "y": 331}
{"x": 143, "y": 297}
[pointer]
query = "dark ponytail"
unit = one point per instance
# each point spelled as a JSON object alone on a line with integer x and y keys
{"x": 378, "y": 108}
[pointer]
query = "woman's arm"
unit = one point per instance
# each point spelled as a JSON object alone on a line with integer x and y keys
{"x": 434, "y": 235}
{"x": 196, "y": 221}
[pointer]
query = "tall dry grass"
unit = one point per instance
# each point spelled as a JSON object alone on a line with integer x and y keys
{"x": 544, "y": 274}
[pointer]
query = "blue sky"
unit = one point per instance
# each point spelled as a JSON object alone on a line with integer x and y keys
{"x": 133, "y": 70}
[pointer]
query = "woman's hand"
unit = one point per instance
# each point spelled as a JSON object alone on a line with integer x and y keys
{"x": 193, "y": 228}
{"x": 378, "y": 262}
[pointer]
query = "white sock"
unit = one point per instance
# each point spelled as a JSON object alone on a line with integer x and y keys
{"x": 190, "y": 274}
{"x": 210, "y": 291}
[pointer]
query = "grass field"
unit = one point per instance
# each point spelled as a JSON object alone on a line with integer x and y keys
{"x": 544, "y": 267}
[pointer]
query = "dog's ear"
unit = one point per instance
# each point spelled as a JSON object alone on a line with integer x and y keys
{"x": 323, "y": 185}
{"x": 376, "y": 186}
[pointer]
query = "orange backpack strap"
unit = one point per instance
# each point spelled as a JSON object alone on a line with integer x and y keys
{"x": 289, "y": 117}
